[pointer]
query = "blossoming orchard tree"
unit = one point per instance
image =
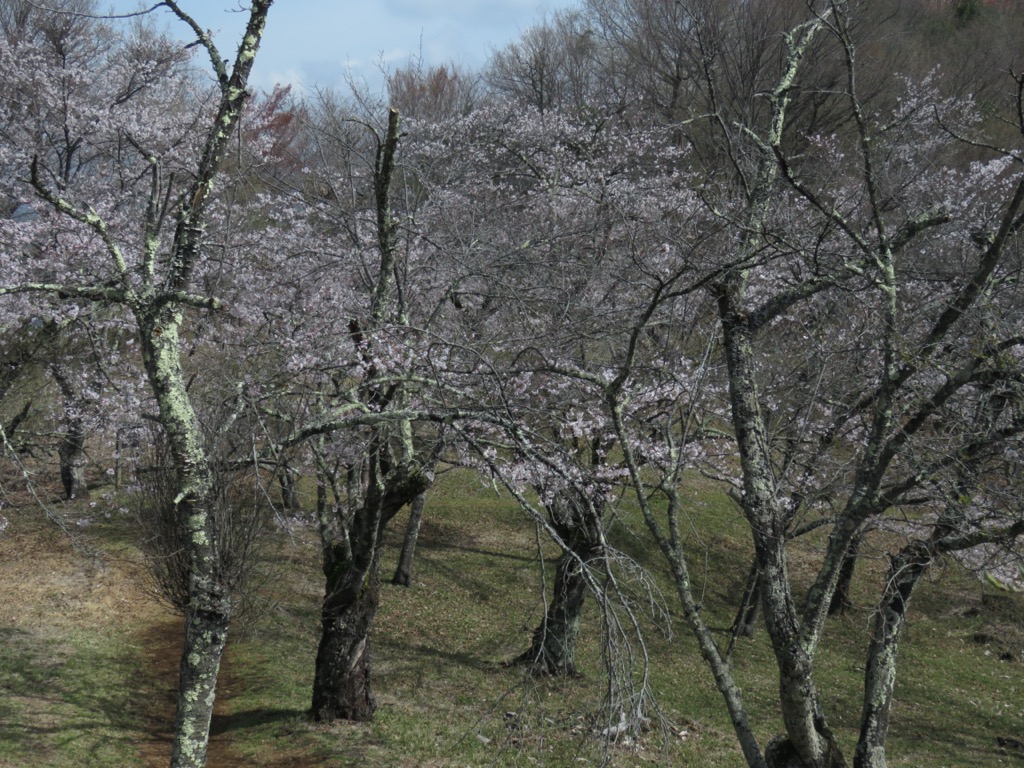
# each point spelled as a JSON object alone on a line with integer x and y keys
{"x": 345, "y": 313}
{"x": 938, "y": 373}
{"x": 735, "y": 258}
{"x": 56, "y": 340}
{"x": 129, "y": 235}
{"x": 869, "y": 331}
{"x": 859, "y": 386}
{"x": 564, "y": 234}
{"x": 384, "y": 474}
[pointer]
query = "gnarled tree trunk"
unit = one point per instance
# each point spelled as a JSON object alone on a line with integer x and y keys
{"x": 341, "y": 686}
{"x": 553, "y": 650}
{"x": 577, "y": 521}
{"x": 352, "y": 553}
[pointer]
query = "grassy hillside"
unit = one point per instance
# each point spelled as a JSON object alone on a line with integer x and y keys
{"x": 89, "y": 661}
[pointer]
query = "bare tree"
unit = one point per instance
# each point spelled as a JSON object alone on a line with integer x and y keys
{"x": 556, "y": 64}
{"x": 433, "y": 93}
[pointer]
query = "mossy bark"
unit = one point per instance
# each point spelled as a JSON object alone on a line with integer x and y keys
{"x": 208, "y": 613}
{"x": 206, "y": 633}
{"x": 905, "y": 570}
{"x": 807, "y": 733}
{"x": 155, "y": 291}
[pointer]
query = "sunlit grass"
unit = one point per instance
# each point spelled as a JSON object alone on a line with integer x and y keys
{"x": 89, "y": 662}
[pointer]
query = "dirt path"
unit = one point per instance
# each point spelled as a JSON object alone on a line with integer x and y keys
{"x": 163, "y": 642}
{"x": 163, "y": 650}
{"x": 92, "y": 656}
{"x": 51, "y": 589}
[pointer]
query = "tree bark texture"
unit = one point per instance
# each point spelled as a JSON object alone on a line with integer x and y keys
{"x": 206, "y": 633}
{"x": 553, "y": 650}
{"x": 905, "y": 570}
{"x": 341, "y": 685}
{"x": 208, "y": 614}
{"x": 71, "y": 450}
{"x": 841, "y": 601}
{"x": 807, "y": 733}
{"x": 288, "y": 479}
{"x": 72, "y": 459}
{"x": 403, "y": 571}
{"x": 577, "y": 520}
{"x": 745, "y": 623}
{"x": 352, "y": 546}
{"x": 351, "y": 565}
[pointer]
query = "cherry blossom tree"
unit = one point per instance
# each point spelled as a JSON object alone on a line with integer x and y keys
{"x": 345, "y": 313}
{"x": 860, "y": 391}
{"x": 737, "y": 255}
{"x": 849, "y": 231}
{"x": 61, "y": 337}
{"x": 132, "y": 237}
{"x": 563, "y": 232}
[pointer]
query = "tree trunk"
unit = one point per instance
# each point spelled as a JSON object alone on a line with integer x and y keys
{"x": 808, "y": 738}
{"x": 905, "y": 569}
{"x": 72, "y": 460}
{"x": 352, "y": 546}
{"x": 287, "y": 478}
{"x": 341, "y": 684}
{"x": 209, "y": 609}
{"x": 745, "y": 623}
{"x": 352, "y": 554}
{"x": 403, "y": 572}
{"x": 553, "y": 651}
{"x": 72, "y": 440}
{"x": 206, "y": 633}
{"x": 577, "y": 520}
{"x": 841, "y": 601}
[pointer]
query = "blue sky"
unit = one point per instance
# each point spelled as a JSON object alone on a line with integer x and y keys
{"x": 314, "y": 42}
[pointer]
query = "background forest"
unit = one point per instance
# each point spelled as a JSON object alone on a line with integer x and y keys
{"x": 689, "y": 334}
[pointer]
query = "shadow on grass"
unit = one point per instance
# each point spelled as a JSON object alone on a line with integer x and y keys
{"x": 473, "y": 572}
{"x": 439, "y": 535}
{"x": 65, "y": 698}
{"x": 488, "y": 553}
{"x": 254, "y": 718}
{"x": 411, "y": 655}
{"x": 917, "y": 736}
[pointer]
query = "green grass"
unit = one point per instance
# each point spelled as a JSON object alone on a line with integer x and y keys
{"x": 69, "y": 697}
{"x": 87, "y": 677}
{"x": 70, "y": 667}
